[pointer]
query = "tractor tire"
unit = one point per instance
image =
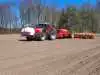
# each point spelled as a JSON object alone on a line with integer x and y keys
{"x": 43, "y": 37}
{"x": 52, "y": 37}
{"x": 29, "y": 38}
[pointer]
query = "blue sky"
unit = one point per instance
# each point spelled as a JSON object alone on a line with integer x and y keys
{"x": 59, "y": 3}
{"x": 62, "y": 3}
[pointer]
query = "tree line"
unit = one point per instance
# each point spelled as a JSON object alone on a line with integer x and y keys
{"x": 80, "y": 20}
{"x": 83, "y": 19}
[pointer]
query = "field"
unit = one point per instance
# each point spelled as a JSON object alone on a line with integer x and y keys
{"x": 58, "y": 57}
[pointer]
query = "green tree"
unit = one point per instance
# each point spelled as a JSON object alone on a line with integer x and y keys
{"x": 79, "y": 20}
{"x": 89, "y": 20}
{"x": 62, "y": 19}
{"x": 69, "y": 18}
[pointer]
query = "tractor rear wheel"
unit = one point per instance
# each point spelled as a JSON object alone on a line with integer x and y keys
{"x": 52, "y": 37}
{"x": 43, "y": 37}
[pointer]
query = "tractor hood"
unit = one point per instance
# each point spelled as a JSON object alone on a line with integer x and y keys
{"x": 38, "y": 30}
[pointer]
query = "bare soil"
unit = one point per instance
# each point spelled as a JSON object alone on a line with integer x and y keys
{"x": 58, "y": 57}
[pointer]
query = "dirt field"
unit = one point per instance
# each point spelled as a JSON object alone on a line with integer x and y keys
{"x": 59, "y": 57}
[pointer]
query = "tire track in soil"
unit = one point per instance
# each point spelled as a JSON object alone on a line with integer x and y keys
{"x": 73, "y": 67}
{"x": 81, "y": 64}
{"x": 45, "y": 72}
{"x": 92, "y": 68}
{"x": 60, "y": 66}
{"x": 46, "y": 58}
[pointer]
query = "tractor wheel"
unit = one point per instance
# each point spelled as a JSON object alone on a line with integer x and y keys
{"x": 43, "y": 37}
{"x": 52, "y": 37}
{"x": 29, "y": 38}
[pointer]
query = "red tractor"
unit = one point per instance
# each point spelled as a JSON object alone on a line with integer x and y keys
{"x": 44, "y": 31}
{"x": 39, "y": 32}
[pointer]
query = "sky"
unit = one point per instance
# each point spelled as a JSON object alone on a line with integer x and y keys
{"x": 59, "y": 3}
{"x": 62, "y": 3}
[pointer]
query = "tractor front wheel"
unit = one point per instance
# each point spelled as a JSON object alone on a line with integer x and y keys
{"x": 29, "y": 38}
